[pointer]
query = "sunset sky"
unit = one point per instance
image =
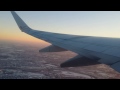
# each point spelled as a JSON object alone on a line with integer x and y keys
{"x": 92, "y": 23}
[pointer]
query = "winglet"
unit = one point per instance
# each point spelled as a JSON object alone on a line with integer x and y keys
{"x": 21, "y": 24}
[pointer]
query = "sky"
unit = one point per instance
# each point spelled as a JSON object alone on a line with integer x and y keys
{"x": 90, "y": 23}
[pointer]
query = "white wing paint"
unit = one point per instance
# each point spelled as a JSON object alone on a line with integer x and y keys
{"x": 99, "y": 49}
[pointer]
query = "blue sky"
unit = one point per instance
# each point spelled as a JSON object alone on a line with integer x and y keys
{"x": 92, "y": 23}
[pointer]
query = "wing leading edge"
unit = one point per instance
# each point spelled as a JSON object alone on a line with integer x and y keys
{"x": 94, "y": 48}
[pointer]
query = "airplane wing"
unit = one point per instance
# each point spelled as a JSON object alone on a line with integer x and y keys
{"x": 101, "y": 49}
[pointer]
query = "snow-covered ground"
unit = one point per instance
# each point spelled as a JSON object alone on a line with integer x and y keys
{"x": 20, "y": 61}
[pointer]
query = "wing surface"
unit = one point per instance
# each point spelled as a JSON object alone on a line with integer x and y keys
{"x": 102, "y": 49}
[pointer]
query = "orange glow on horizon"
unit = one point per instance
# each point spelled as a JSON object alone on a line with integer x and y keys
{"x": 20, "y": 37}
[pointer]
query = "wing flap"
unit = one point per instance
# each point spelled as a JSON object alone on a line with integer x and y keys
{"x": 116, "y": 66}
{"x": 52, "y": 48}
{"x": 79, "y": 61}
